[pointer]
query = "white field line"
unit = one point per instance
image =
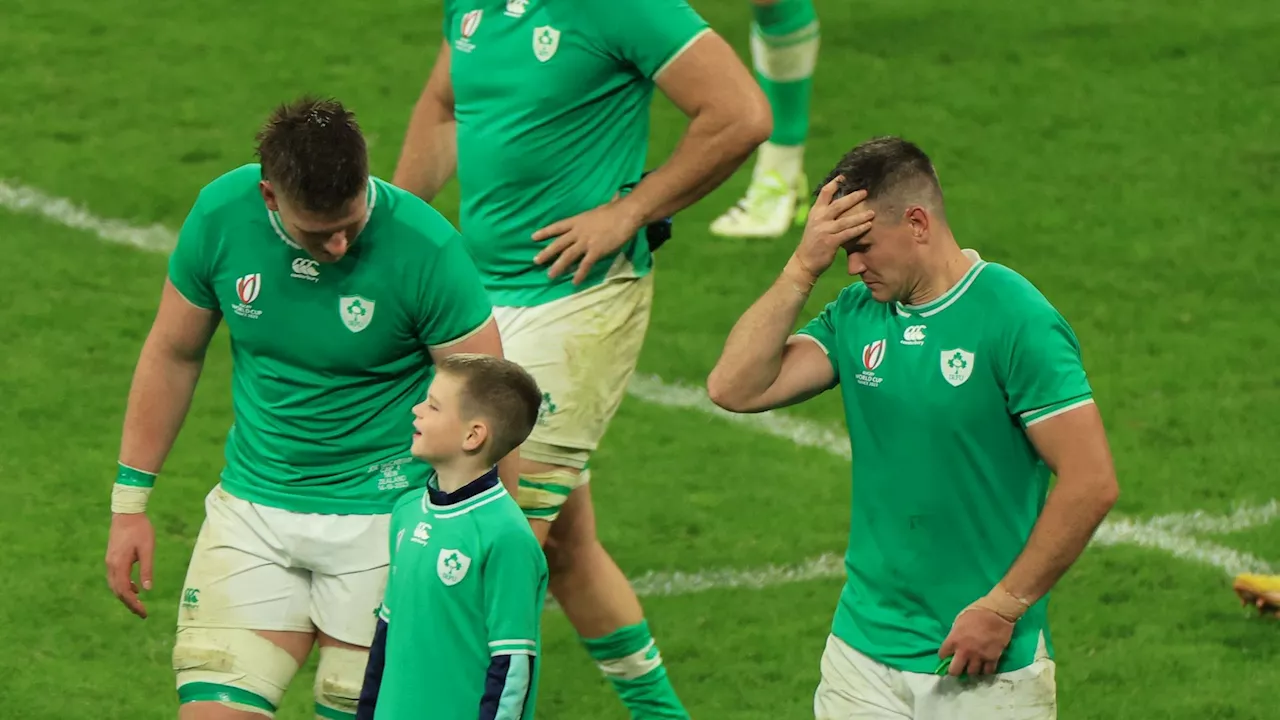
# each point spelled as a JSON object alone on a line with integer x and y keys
{"x": 1147, "y": 534}
{"x": 799, "y": 431}
{"x": 1173, "y": 533}
{"x": 1199, "y": 522}
{"x": 21, "y": 198}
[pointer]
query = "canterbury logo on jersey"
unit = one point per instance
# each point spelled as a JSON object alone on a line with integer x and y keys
{"x": 421, "y": 533}
{"x": 306, "y": 269}
{"x": 913, "y": 335}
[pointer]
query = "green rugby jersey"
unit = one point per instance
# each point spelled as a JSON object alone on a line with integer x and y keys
{"x": 552, "y": 103}
{"x": 946, "y": 484}
{"x": 463, "y": 607}
{"x": 328, "y": 359}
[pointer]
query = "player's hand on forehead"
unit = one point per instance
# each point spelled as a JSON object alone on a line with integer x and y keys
{"x": 848, "y": 211}
{"x": 833, "y": 223}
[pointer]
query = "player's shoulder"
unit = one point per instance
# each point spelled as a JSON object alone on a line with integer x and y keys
{"x": 854, "y": 299}
{"x": 231, "y": 191}
{"x": 408, "y": 502}
{"x": 413, "y": 218}
{"x": 620, "y": 11}
{"x": 1008, "y": 291}
{"x": 505, "y": 525}
{"x": 410, "y": 222}
{"x": 604, "y": 16}
{"x": 1011, "y": 304}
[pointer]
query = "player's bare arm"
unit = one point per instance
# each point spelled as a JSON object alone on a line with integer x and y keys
{"x": 1073, "y": 445}
{"x": 485, "y": 341}
{"x": 729, "y": 117}
{"x": 163, "y": 383}
{"x": 763, "y": 366}
{"x": 429, "y": 156}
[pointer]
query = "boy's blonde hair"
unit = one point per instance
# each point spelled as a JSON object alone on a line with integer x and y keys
{"x": 501, "y": 392}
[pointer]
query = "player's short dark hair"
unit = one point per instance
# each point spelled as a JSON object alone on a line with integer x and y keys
{"x": 501, "y": 392}
{"x": 312, "y": 150}
{"x": 891, "y": 170}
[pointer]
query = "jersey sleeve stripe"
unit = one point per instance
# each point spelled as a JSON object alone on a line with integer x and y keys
{"x": 676, "y": 55}
{"x": 466, "y": 336}
{"x": 807, "y": 336}
{"x": 512, "y": 647}
{"x": 513, "y": 651}
{"x": 1031, "y": 417}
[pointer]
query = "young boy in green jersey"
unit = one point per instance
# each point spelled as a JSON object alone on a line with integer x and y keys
{"x": 464, "y": 642}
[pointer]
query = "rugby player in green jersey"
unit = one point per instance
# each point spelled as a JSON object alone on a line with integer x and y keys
{"x": 459, "y": 632}
{"x": 542, "y": 109}
{"x": 784, "y": 52}
{"x": 340, "y": 293}
{"x": 963, "y": 391}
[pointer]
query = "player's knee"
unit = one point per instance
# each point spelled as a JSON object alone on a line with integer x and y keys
{"x": 236, "y": 668}
{"x": 339, "y": 676}
{"x": 562, "y": 556}
{"x": 542, "y": 495}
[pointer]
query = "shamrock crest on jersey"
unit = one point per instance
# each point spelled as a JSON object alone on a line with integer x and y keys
{"x": 957, "y": 366}
{"x": 546, "y": 40}
{"x": 356, "y": 312}
{"x": 452, "y": 566}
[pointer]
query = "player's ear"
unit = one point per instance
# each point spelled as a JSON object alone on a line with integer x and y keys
{"x": 477, "y": 433}
{"x": 268, "y": 195}
{"x": 917, "y": 218}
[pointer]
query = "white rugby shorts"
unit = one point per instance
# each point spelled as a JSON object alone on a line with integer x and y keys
{"x": 262, "y": 568}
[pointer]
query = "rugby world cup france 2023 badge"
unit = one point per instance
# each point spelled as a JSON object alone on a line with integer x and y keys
{"x": 247, "y": 289}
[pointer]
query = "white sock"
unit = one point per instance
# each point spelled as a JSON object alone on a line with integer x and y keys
{"x": 786, "y": 160}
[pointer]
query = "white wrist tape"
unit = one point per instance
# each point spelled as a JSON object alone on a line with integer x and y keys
{"x": 129, "y": 499}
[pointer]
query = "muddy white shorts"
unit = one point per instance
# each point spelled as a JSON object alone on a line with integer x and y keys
{"x": 262, "y": 568}
{"x": 855, "y": 687}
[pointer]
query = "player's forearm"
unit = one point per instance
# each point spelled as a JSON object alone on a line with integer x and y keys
{"x": 752, "y": 357}
{"x": 430, "y": 153}
{"x": 1072, "y": 513}
{"x": 158, "y": 402}
{"x": 715, "y": 144}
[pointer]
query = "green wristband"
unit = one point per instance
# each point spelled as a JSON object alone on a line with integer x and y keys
{"x": 134, "y": 477}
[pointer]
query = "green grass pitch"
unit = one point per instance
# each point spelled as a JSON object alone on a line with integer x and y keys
{"x": 1123, "y": 156}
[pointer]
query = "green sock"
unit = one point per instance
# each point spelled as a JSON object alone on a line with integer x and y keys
{"x": 784, "y": 50}
{"x": 324, "y": 712}
{"x": 629, "y": 658}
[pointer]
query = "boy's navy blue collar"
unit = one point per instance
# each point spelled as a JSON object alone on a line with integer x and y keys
{"x": 470, "y": 490}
